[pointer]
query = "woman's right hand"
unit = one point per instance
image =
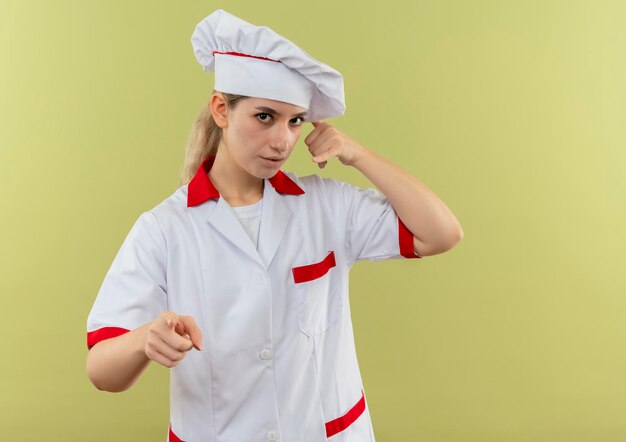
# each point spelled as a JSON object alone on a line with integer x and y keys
{"x": 169, "y": 337}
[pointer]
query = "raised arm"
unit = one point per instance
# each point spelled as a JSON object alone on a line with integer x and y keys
{"x": 435, "y": 229}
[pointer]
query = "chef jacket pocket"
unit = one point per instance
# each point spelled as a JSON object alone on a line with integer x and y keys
{"x": 317, "y": 291}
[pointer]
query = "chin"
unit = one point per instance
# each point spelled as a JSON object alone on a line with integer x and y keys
{"x": 269, "y": 174}
{"x": 263, "y": 173}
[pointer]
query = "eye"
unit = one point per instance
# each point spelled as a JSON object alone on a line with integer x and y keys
{"x": 264, "y": 120}
{"x": 299, "y": 122}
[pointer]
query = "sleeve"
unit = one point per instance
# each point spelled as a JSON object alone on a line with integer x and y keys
{"x": 373, "y": 229}
{"x": 134, "y": 289}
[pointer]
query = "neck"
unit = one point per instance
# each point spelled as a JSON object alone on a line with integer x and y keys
{"x": 235, "y": 184}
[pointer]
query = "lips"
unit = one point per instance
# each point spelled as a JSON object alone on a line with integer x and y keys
{"x": 273, "y": 160}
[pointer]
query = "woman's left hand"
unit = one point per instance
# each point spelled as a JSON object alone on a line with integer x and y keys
{"x": 326, "y": 141}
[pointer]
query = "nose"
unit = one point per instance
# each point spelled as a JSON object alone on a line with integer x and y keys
{"x": 281, "y": 137}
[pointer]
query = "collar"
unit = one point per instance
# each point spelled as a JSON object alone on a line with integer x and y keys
{"x": 201, "y": 189}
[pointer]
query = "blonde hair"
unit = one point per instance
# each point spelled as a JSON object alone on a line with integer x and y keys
{"x": 204, "y": 138}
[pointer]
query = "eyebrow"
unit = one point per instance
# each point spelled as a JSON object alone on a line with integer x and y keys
{"x": 269, "y": 110}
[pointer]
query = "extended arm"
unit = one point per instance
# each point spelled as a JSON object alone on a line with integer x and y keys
{"x": 115, "y": 364}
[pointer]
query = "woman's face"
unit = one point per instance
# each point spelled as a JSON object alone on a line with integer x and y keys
{"x": 261, "y": 133}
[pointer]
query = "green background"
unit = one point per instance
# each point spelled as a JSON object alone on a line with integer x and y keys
{"x": 512, "y": 112}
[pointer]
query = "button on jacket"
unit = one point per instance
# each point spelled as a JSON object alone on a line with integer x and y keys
{"x": 278, "y": 360}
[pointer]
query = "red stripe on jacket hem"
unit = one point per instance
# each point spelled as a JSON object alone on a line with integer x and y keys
{"x": 341, "y": 423}
{"x": 407, "y": 248}
{"x": 104, "y": 333}
{"x": 173, "y": 437}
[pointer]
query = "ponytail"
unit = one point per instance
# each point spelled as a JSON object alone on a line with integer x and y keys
{"x": 204, "y": 138}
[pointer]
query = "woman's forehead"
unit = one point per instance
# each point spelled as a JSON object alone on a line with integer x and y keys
{"x": 279, "y": 106}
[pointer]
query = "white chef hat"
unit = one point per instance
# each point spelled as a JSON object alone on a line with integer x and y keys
{"x": 257, "y": 62}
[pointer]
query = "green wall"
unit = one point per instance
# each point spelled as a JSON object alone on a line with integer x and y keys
{"x": 512, "y": 112}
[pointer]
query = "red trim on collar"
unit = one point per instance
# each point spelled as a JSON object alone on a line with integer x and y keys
{"x": 283, "y": 184}
{"x": 201, "y": 189}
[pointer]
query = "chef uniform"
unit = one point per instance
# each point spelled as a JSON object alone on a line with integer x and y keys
{"x": 267, "y": 284}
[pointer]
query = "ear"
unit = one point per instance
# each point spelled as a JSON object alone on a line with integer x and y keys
{"x": 219, "y": 109}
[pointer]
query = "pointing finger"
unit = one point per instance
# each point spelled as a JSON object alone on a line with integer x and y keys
{"x": 180, "y": 329}
{"x": 178, "y": 339}
{"x": 170, "y": 319}
{"x": 192, "y": 329}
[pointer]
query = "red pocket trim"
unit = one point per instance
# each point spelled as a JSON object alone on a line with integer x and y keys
{"x": 314, "y": 271}
{"x": 407, "y": 248}
{"x": 341, "y": 423}
{"x": 173, "y": 437}
{"x": 104, "y": 333}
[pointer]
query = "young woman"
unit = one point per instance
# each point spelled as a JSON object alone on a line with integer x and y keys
{"x": 238, "y": 281}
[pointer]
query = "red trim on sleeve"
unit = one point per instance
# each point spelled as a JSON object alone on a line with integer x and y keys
{"x": 341, "y": 423}
{"x": 407, "y": 248}
{"x": 314, "y": 271}
{"x": 104, "y": 333}
{"x": 173, "y": 437}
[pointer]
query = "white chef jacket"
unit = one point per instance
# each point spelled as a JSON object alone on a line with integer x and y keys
{"x": 250, "y": 218}
{"x": 278, "y": 359}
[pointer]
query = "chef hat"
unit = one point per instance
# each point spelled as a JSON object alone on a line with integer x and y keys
{"x": 257, "y": 62}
